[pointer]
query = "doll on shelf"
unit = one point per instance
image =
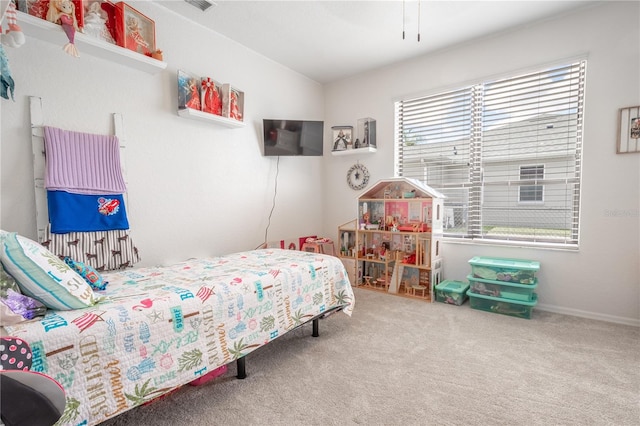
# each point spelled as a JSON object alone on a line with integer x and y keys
{"x": 234, "y": 111}
{"x": 134, "y": 40}
{"x": 194, "y": 95}
{"x": 95, "y": 23}
{"x": 63, "y": 12}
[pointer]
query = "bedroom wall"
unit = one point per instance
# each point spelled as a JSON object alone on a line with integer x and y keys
{"x": 602, "y": 279}
{"x": 195, "y": 188}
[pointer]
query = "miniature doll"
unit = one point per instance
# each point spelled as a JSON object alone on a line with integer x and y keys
{"x": 95, "y": 23}
{"x": 234, "y": 110}
{"x": 194, "y": 99}
{"x": 134, "y": 40}
{"x": 63, "y": 12}
{"x": 211, "y": 100}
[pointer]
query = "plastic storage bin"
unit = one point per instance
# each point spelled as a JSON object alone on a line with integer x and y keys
{"x": 503, "y": 289}
{"x": 510, "y": 270}
{"x": 497, "y": 305}
{"x": 452, "y": 292}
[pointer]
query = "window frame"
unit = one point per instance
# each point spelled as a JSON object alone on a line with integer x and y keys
{"x": 534, "y": 185}
{"x": 469, "y": 197}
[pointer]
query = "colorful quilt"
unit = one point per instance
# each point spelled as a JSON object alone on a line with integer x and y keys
{"x": 159, "y": 328}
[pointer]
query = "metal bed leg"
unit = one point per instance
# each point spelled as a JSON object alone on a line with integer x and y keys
{"x": 316, "y": 328}
{"x": 242, "y": 368}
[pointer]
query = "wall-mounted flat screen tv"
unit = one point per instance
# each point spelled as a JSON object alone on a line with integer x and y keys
{"x": 292, "y": 137}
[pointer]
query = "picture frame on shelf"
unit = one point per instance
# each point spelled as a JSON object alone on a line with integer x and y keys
{"x": 628, "y": 130}
{"x": 134, "y": 31}
{"x": 188, "y": 91}
{"x": 366, "y": 132}
{"x": 99, "y": 20}
{"x": 211, "y": 96}
{"x": 342, "y": 138}
{"x": 232, "y": 102}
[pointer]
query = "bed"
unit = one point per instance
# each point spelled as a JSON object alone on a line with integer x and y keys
{"x": 155, "y": 329}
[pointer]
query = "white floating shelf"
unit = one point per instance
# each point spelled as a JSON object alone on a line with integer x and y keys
{"x": 194, "y": 114}
{"x": 365, "y": 150}
{"x": 53, "y": 33}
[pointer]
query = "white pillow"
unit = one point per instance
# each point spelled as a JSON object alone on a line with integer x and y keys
{"x": 42, "y": 275}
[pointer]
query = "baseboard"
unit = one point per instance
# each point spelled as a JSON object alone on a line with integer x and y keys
{"x": 590, "y": 315}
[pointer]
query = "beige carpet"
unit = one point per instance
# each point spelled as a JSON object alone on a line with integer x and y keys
{"x": 406, "y": 362}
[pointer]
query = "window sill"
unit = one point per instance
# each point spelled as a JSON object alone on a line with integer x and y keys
{"x": 515, "y": 244}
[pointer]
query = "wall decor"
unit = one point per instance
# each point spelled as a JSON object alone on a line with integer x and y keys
{"x": 188, "y": 91}
{"x": 366, "y": 132}
{"x": 628, "y": 130}
{"x": 342, "y": 138}
{"x": 134, "y": 30}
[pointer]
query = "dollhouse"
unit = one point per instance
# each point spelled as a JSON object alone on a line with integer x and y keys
{"x": 394, "y": 243}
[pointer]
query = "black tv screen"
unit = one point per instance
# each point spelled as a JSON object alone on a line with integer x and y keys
{"x": 292, "y": 137}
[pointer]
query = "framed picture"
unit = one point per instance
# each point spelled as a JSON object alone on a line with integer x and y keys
{"x": 366, "y": 132}
{"x": 188, "y": 91}
{"x": 99, "y": 20}
{"x": 134, "y": 30}
{"x": 628, "y": 130}
{"x": 342, "y": 138}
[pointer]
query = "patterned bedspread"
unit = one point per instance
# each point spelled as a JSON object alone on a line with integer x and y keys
{"x": 159, "y": 328}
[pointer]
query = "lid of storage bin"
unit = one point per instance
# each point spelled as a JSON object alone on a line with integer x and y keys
{"x": 497, "y": 262}
{"x": 532, "y": 284}
{"x": 453, "y": 286}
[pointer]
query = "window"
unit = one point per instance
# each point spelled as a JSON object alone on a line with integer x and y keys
{"x": 506, "y": 153}
{"x": 531, "y": 193}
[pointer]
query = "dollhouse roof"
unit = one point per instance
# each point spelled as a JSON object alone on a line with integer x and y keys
{"x": 400, "y": 186}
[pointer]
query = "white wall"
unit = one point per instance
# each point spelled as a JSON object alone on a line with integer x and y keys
{"x": 194, "y": 188}
{"x": 602, "y": 279}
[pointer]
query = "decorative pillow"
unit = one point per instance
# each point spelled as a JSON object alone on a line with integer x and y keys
{"x": 90, "y": 275}
{"x": 6, "y": 281}
{"x": 43, "y": 276}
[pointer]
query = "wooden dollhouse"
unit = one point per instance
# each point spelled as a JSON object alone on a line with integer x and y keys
{"x": 394, "y": 243}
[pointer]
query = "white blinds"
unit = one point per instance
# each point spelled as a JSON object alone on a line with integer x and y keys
{"x": 507, "y": 154}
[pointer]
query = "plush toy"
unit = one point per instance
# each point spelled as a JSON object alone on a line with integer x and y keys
{"x": 13, "y": 37}
{"x": 63, "y": 12}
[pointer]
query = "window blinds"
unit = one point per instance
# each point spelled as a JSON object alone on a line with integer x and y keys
{"x": 506, "y": 153}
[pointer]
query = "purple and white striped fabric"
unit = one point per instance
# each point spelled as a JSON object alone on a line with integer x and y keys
{"x": 82, "y": 163}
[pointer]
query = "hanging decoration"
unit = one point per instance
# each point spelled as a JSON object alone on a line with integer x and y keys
{"x": 63, "y": 12}
{"x": 13, "y": 37}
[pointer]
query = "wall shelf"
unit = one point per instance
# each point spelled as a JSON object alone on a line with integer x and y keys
{"x": 53, "y": 33}
{"x": 194, "y": 114}
{"x": 365, "y": 150}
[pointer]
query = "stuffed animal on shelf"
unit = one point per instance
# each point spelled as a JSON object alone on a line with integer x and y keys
{"x": 13, "y": 37}
{"x": 63, "y": 12}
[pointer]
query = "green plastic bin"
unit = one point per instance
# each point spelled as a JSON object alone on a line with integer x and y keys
{"x": 452, "y": 292}
{"x": 501, "y": 269}
{"x": 498, "y": 305}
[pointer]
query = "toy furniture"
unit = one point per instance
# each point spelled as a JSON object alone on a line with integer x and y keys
{"x": 394, "y": 243}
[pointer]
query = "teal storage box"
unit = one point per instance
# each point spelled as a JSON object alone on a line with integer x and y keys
{"x": 452, "y": 292}
{"x": 502, "y": 289}
{"x": 500, "y": 269}
{"x": 497, "y": 305}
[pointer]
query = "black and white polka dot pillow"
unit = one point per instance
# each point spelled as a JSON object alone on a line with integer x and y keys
{"x": 15, "y": 354}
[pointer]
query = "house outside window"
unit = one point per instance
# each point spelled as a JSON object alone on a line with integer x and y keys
{"x": 506, "y": 153}
{"x": 531, "y": 193}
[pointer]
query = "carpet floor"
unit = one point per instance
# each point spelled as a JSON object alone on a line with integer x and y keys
{"x": 400, "y": 361}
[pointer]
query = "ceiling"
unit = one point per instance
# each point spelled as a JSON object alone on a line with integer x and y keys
{"x": 331, "y": 40}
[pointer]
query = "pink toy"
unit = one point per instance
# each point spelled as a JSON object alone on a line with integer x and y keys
{"x": 63, "y": 12}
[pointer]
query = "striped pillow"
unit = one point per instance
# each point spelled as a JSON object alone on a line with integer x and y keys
{"x": 42, "y": 275}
